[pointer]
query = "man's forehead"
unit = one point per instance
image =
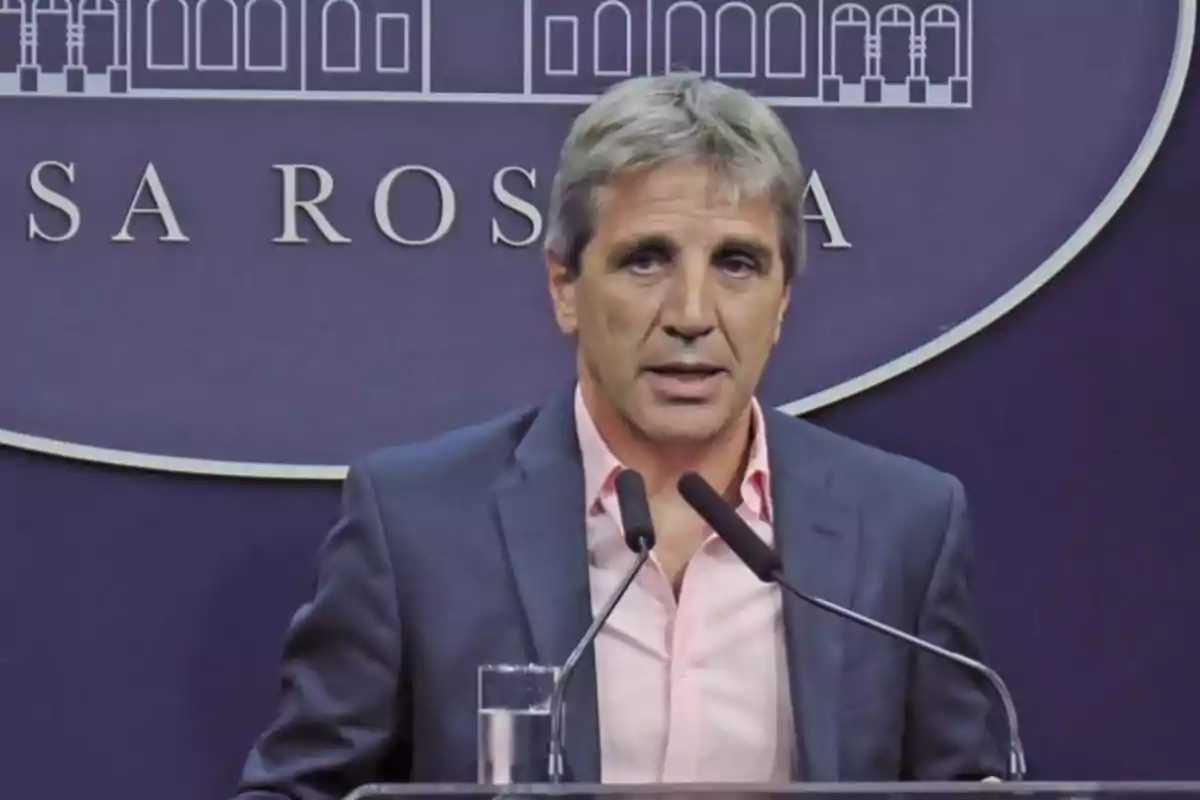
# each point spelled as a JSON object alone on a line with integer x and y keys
{"x": 650, "y": 200}
{"x": 675, "y": 181}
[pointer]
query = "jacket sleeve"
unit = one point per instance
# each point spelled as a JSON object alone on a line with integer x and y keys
{"x": 341, "y": 714}
{"x": 951, "y": 719}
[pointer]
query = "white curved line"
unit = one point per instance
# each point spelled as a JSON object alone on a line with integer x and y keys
{"x": 1164, "y": 115}
{"x": 191, "y": 466}
{"x": 1142, "y": 158}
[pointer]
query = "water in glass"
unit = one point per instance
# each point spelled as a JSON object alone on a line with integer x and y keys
{"x": 514, "y": 722}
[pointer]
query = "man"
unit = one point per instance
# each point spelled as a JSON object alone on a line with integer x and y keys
{"x": 673, "y": 243}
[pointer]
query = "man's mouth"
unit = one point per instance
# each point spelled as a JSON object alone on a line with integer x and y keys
{"x": 686, "y": 383}
{"x": 686, "y": 371}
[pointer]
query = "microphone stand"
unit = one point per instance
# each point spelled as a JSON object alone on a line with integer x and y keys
{"x": 1016, "y": 753}
{"x": 564, "y": 677}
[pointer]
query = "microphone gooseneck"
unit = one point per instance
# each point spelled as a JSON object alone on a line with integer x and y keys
{"x": 1016, "y": 759}
{"x": 767, "y": 566}
{"x": 639, "y": 537}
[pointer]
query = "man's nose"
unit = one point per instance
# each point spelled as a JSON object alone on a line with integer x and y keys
{"x": 690, "y": 312}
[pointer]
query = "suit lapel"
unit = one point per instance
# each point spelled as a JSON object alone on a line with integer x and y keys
{"x": 540, "y": 502}
{"x": 817, "y": 539}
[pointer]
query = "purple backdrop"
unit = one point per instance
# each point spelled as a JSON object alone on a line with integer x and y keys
{"x": 142, "y": 613}
{"x": 234, "y": 347}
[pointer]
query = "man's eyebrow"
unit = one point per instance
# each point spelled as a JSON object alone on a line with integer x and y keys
{"x": 648, "y": 241}
{"x": 751, "y": 246}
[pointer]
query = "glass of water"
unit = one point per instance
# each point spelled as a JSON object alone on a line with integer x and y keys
{"x": 514, "y": 722}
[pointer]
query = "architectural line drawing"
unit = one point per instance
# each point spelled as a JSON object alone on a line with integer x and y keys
{"x": 738, "y": 9}
{"x": 854, "y": 18}
{"x": 943, "y": 16}
{"x": 779, "y": 17}
{"x": 383, "y": 37}
{"x": 915, "y": 54}
{"x": 556, "y": 43}
{"x": 699, "y": 14}
{"x": 257, "y": 18}
{"x": 162, "y": 27}
{"x": 609, "y": 15}
{"x": 94, "y": 14}
{"x": 334, "y": 15}
{"x": 225, "y": 11}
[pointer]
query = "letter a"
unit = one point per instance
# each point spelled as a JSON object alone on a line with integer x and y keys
{"x": 162, "y": 207}
{"x": 826, "y": 214}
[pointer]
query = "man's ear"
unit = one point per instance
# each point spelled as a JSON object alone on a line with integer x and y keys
{"x": 563, "y": 284}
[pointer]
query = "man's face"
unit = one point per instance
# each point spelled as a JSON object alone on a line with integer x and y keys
{"x": 679, "y": 299}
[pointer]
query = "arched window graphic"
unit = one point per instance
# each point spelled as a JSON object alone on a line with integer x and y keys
{"x": 849, "y": 35}
{"x": 897, "y": 27}
{"x": 787, "y": 41}
{"x": 101, "y": 35}
{"x": 266, "y": 36}
{"x": 341, "y": 36}
{"x": 943, "y": 22}
{"x": 737, "y": 41}
{"x": 11, "y": 14}
{"x": 680, "y": 35}
{"x": 51, "y": 22}
{"x": 216, "y": 36}
{"x": 612, "y": 40}
{"x": 167, "y": 35}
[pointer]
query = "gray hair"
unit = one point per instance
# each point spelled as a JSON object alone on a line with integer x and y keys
{"x": 646, "y": 122}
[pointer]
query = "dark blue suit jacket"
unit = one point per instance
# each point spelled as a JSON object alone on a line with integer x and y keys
{"x": 470, "y": 549}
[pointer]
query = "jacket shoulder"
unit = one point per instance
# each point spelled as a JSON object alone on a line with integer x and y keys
{"x": 448, "y": 460}
{"x": 908, "y": 513}
{"x": 854, "y": 470}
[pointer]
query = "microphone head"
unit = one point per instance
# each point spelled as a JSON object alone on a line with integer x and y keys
{"x": 725, "y": 522}
{"x": 635, "y": 511}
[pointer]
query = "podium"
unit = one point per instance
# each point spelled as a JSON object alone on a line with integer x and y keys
{"x": 801, "y": 791}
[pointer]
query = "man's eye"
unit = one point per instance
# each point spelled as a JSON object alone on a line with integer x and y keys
{"x": 737, "y": 264}
{"x": 643, "y": 261}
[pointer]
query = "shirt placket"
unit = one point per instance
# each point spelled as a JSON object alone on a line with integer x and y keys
{"x": 685, "y": 723}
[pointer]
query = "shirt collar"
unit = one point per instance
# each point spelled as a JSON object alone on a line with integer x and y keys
{"x": 600, "y": 466}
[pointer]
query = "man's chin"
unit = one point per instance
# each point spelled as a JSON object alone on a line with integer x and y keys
{"x": 682, "y": 423}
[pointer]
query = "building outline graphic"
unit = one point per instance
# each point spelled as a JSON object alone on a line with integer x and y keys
{"x": 248, "y": 27}
{"x": 609, "y": 7}
{"x": 561, "y": 22}
{"x": 153, "y": 41}
{"x": 842, "y": 53}
{"x": 720, "y": 20}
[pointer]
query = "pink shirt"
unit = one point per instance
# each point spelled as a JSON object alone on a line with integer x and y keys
{"x": 694, "y": 690}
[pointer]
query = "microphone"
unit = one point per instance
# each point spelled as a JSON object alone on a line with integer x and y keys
{"x": 766, "y": 565}
{"x": 639, "y": 537}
